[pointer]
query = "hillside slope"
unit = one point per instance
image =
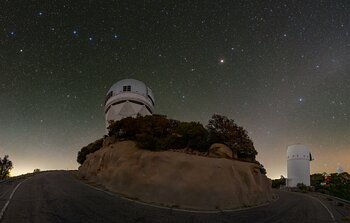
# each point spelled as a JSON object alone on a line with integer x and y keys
{"x": 177, "y": 179}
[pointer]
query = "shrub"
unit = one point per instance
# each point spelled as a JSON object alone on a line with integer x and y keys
{"x": 277, "y": 183}
{"x": 157, "y": 132}
{"x": 92, "y": 147}
{"x": 191, "y": 135}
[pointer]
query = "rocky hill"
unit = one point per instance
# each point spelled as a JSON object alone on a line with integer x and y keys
{"x": 177, "y": 179}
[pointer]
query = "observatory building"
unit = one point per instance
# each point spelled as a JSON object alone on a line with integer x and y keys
{"x": 128, "y": 98}
{"x": 339, "y": 170}
{"x": 298, "y": 165}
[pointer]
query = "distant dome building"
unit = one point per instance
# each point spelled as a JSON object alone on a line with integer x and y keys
{"x": 128, "y": 98}
{"x": 298, "y": 165}
{"x": 339, "y": 170}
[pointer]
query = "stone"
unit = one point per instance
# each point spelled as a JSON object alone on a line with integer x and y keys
{"x": 219, "y": 150}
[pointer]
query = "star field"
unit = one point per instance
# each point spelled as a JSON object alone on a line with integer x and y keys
{"x": 278, "y": 68}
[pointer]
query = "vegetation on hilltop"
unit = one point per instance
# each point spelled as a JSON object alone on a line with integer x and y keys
{"x": 157, "y": 132}
{"x": 92, "y": 147}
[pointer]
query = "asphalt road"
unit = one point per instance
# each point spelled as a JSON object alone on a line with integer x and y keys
{"x": 59, "y": 197}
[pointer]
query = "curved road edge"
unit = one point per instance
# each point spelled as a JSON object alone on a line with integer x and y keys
{"x": 9, "y": 199}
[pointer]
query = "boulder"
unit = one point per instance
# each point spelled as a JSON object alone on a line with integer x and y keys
{"x": 219, "y": 150}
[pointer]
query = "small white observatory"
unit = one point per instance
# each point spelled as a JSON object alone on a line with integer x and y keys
{"x": 128, "y": 98}
{"x": 339, "y": 170}
{"x": 298, "y": 165}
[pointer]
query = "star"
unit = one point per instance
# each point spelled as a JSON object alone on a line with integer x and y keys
{"x": 222, "y": 61}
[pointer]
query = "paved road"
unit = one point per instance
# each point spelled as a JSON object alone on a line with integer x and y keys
{"x": 59, "y": 197}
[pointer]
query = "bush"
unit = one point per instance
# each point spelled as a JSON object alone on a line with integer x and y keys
{"x": 277, "y": 183}
{"x": 157, "y": 132}
{"x": 191, "y": 135}
{"x": 92, "y": 147}
{"x": 302, "y": 187}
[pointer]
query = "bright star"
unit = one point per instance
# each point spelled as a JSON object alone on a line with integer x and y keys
{"x": 222, "y": 61}
{"x": 90, "y": 38}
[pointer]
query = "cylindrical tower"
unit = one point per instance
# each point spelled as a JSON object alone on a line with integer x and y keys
{"x": 128, "y": 98}
{"x": 298, "y": 165}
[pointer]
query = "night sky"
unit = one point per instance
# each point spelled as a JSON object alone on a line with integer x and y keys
{"x": 278, "y": 68}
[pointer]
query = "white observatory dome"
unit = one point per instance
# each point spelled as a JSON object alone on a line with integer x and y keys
{"x": 339, "y": 170}
{"x": 128, "y": 98}
{"x": 298, "y": 165}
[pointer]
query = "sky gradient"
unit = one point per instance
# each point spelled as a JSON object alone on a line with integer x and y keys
{"x": 280, "y": 69}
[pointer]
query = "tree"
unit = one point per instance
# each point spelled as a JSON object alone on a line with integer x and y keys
{"x": 5, "y": 167}
{"x": 277, "y": 183}
{"x": 316, "y": 180}
{"x": 226, "y": 131}
{"x": 192, "y": 135}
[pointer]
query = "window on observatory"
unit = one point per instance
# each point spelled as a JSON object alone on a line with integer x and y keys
{"x": 127, "y": 88}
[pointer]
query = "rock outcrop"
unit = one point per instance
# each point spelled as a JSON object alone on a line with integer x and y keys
{"x": 176, "y": 179}
{"x": 219, "y": 150}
